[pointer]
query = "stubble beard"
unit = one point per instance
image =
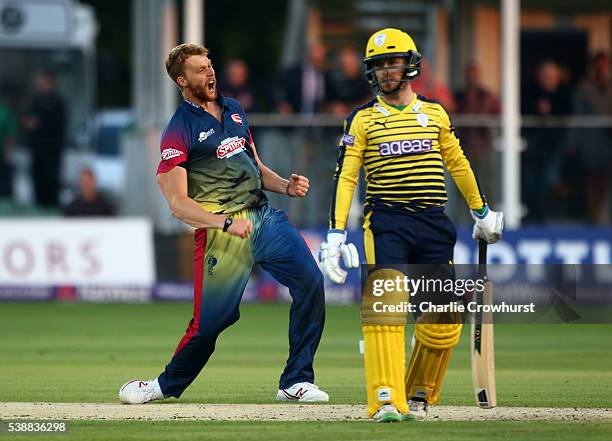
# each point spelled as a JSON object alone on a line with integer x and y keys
{"x": 202, "y": 93}
{"x": 390, "y": 86}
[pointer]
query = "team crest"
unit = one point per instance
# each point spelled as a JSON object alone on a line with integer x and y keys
{"x": 380, "y": 39}
{"x": 423, "y": 119}
{"x": 237, "y": 118}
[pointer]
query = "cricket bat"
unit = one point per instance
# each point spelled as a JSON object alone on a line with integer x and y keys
{"x": 483, "y": 352}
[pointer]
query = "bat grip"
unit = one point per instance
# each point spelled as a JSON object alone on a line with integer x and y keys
{"x": 482, "y": 257}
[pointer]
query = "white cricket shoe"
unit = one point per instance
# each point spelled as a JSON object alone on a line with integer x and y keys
{"x": 418, "y": 408}
{"x": 302, "y": 392}
{"x": 140, "y": 392}
{"x": 387, "y": 413}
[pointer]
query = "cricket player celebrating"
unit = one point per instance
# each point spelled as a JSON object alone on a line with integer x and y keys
{"x": 402, "y": 141}
{"x": 213, "y": 180}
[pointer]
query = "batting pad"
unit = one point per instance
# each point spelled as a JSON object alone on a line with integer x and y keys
{"x": 385, "y": 359}
{"x": 429, "y": 359}
{"x": 382, "y": 303}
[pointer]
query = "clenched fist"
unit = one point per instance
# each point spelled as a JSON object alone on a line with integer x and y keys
{"x": 241, "y": 228}
{"x": 298, "y": 186}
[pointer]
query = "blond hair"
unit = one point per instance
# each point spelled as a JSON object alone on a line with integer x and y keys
{"x": 178, "y": 55}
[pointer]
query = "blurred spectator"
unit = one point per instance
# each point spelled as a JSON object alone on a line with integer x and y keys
{"x": 426, "y": 85}
{"x": 235, "y": 84}
{"x": 89, "y": 202}
{"x": 475, "y": 99}
{"x": 45, "y": 123}
{"x": 543, "y": 157}
{"x": 8, "y": 132}
{"x": 548, "y": 96}
{"x": 348, "y": 87}
{"x": 594, "y": 145}
{"x": 303, "y": 87}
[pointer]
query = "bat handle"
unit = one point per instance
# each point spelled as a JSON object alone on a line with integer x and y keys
{"x": 482, "y": 251}
{"x": 482, "y": 257}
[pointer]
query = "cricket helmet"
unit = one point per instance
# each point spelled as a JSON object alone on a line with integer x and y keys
{"x": 391, "y": 43}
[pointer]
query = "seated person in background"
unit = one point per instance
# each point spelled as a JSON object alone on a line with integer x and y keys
{"x": 89, "y": 202}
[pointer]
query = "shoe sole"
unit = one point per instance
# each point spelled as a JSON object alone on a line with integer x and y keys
{"x": 286, "y": 398}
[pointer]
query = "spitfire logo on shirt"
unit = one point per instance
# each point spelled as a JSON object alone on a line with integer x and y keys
{"x": 230, "y": 147}
{"x": 405, "y": 147}
{"x": 237, "y": 118}
{"x": 170, "y": 153}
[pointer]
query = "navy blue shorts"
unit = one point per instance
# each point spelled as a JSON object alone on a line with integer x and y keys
{"x": 423, "y": 237}
{"x": 420, "y": 245}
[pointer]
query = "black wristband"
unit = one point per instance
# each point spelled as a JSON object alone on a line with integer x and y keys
{"x": 227, "y": 223}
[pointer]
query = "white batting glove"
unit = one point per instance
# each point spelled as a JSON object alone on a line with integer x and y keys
{"x": 331, "y": 252}
{"x": 488, "y": 226}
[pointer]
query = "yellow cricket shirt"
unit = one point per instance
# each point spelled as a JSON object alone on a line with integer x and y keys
{"x": 403, "y": 154}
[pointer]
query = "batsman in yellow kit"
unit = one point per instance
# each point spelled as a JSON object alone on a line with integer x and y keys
{"x": 403, "y": 141}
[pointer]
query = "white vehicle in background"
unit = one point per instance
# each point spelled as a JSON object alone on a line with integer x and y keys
{"x": 58, "y": 36}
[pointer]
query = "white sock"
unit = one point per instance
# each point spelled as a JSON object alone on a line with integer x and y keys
{"x": 159, "y": 395}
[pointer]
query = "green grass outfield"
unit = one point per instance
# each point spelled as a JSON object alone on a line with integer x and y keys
{"x": 319, "y": 431}
{"x": 83, "y": 352}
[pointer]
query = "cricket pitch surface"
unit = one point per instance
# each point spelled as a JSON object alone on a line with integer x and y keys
{"x": 280, "y": 412}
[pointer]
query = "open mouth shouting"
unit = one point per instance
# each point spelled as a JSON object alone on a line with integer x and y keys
{"x": 206, "y": 90}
